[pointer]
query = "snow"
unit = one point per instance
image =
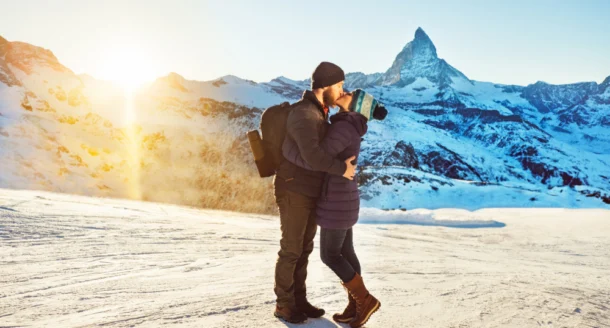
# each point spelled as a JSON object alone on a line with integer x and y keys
{"x": 434, "y": 192}
{"x": 75, "y": 261}
{"x": 420, "y": 91}
{"x": 405, "y": 125}
{"x": 453, "y": 218}
{"x": 233, "y": 89}
{"x": 10, "y": 101}
{"x": 486, "y": 95}
{"x": 285, "y": 80}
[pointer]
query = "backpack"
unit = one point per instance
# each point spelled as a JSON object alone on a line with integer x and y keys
{"x": 267, "y": 149}
{"x": 273, "y": 129}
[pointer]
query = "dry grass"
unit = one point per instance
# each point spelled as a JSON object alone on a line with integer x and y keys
{"x": 216, "y": 172}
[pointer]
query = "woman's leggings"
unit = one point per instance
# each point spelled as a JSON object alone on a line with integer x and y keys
{"x": 337, "y": 252}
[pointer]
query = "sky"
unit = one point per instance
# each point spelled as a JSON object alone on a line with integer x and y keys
{"x": 509, "y": 42}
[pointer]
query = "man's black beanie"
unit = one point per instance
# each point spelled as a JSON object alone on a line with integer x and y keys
{"x": 326, "y": 74}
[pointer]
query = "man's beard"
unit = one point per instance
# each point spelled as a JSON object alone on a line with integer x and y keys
{"x": 328, "y": 99}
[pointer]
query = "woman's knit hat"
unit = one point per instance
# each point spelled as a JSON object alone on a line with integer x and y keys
{"x": 365, "y": 104}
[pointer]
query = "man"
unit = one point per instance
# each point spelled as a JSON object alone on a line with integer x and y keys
{"x": 297, "y": 190}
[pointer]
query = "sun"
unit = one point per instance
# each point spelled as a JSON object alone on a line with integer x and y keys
{"x": 128, "y": 66}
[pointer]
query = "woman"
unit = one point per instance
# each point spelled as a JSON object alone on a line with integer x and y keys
{"x": 339, "y": 203}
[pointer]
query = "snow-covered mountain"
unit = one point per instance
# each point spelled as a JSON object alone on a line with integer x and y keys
{"x": 448, "y": 140}
{"x": 418, "y": 60}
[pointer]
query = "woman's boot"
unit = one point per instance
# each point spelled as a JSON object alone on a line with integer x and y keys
{"x": 350, "y": 311}
{"x": 366, "y": 304}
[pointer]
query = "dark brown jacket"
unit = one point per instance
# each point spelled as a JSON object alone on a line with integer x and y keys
{"x": 306, "y": 127}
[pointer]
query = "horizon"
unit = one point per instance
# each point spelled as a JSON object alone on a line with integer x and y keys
{"x": 499, "y": 43}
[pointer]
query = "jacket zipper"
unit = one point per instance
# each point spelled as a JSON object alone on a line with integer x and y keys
{"x": 325, "y": 187}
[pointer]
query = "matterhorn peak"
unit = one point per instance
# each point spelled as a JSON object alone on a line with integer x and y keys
{"x": 418, "y": 59}
{"x": 422, "y": 45}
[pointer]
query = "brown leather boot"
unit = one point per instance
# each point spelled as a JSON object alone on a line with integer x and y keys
{"x": 289, "y": 314}
{"x": 366, "y": 304}
{"x": 350, "y": 311}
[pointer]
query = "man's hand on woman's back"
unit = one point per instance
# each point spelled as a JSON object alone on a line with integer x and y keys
{"x": 351, "y": 168}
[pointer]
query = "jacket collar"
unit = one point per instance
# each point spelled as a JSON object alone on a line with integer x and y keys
{"x": 310, "y": 96}
{"x": 358, "y": 120}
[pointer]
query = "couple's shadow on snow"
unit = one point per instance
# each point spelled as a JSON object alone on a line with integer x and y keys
{"x": 315, "y": 323}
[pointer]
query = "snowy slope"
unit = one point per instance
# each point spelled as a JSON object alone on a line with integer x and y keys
{"x": 73, "y": 133}
{"x": 227, "y": 88}
{"x": 73, "y": 261}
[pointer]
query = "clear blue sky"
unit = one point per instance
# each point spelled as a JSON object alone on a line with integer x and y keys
{"x": 512, "y": 42}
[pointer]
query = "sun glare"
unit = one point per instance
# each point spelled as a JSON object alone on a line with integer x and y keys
{"x": 133, "y": 147}
{"x": 128, "y": 66}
